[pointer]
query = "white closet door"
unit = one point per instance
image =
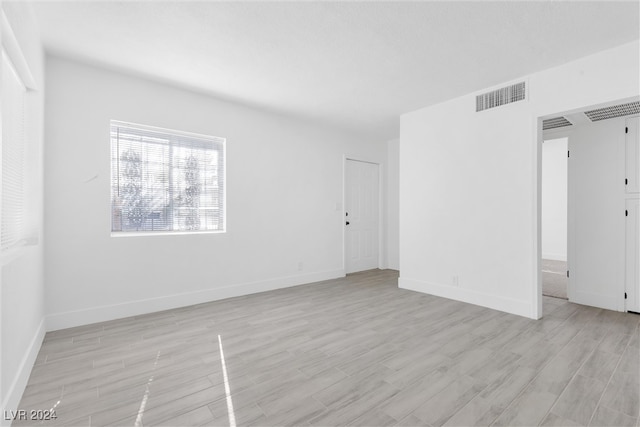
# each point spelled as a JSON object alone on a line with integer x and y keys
{"x": 361, "y": 220}
{"x": 632, "y": 261}
{"x": 632, "y": 155}
{"x": 596, "y": 227}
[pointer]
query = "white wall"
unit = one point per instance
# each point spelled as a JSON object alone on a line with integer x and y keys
{"x": 470, "y": 184}
{"x": 393, "y": 206}
{"x": 284, "y": 200}
{"x": 21, "y": 270}
{"x": 465, "y": 210}
{"x": 596, "y": 214}
{"x": 554, "y": 199}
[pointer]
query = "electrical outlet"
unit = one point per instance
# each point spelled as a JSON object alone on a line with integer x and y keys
{"x": 455, "y": 281}
{"x": 300, "y": 265}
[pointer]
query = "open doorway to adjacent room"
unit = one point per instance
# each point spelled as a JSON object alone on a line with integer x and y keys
{"x": 589, "y": 197}
{"x": 554, "y": 214}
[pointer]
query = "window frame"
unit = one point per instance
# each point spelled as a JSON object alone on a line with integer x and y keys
{"x": 219, "y": 145}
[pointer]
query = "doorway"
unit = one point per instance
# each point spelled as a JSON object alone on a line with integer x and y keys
{"x": 602, "y": 224}
{"x": 554, "y": 217}
{"x": 362, "y": 215}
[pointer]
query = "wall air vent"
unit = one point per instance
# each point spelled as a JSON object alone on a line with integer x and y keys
{"x": 502, "y": 96}
{"x": 556, "y": 122}
{"x": 613, "y": 111}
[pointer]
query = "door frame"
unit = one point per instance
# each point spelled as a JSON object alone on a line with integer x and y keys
{"x": 537, "y": 252}
{"x": 550, "y": 135}
{"x": 381, "y": 203}
{"x": 537, "y": 265}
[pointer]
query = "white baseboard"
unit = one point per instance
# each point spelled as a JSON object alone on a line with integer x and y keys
{"x": 555, "y": 257}
{"x": 20, "y": 379}
{"x": 508, "y": 305}
{"x": 104, "y": 313}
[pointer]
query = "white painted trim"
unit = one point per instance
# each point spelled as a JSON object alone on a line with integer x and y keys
{"x": 536, "y": 296}
{"x": 558, "y": 133}
{"x": 19, "y": 381}
{"x": 571, "y": 226}
{"x": 120, "y": 234}
{"x": 382, "y": 217}
{"x": 495, "y": 302}
{"x": 555, "y": 257}
{"x": 156, "y": 129}
{"x": 103, "y": 313}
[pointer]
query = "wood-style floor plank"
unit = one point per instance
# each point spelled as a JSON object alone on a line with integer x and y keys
{"x": 353, "y": 351}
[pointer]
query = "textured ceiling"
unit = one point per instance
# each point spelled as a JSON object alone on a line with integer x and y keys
{"x": 357, "y": 65}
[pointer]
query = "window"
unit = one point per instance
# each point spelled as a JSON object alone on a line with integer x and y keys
{"x": 13, "y": 155}
{"x": 166, "y": 181}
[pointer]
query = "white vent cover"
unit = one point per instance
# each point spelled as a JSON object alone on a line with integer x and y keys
{"x": 502, "y": 96}
{"x": 556, "y": 122}
{"x": 613, "y": 111}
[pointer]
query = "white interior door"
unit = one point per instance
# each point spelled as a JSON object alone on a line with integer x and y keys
{"x": 632, "y": 219}
{"x": 632, "y": 263}
{"x": 596, "y": 215}
{"x": 632, "y": 156}
{"x": 361, "y": 216}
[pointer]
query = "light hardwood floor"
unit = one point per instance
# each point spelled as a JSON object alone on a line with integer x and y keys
{"x": 352, "y": 351}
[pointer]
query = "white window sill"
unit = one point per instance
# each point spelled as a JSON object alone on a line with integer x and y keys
{"x": 162, "y": 233}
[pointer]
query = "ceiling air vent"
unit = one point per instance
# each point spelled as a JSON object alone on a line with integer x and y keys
{"x": 556, "y": 122}
{"x": 613, "y": 111}
{"x": 502, "y": 96}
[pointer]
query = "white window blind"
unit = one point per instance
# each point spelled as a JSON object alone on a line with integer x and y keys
{"x": 166, "y": 181}
{"x": 13, "y": 155}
